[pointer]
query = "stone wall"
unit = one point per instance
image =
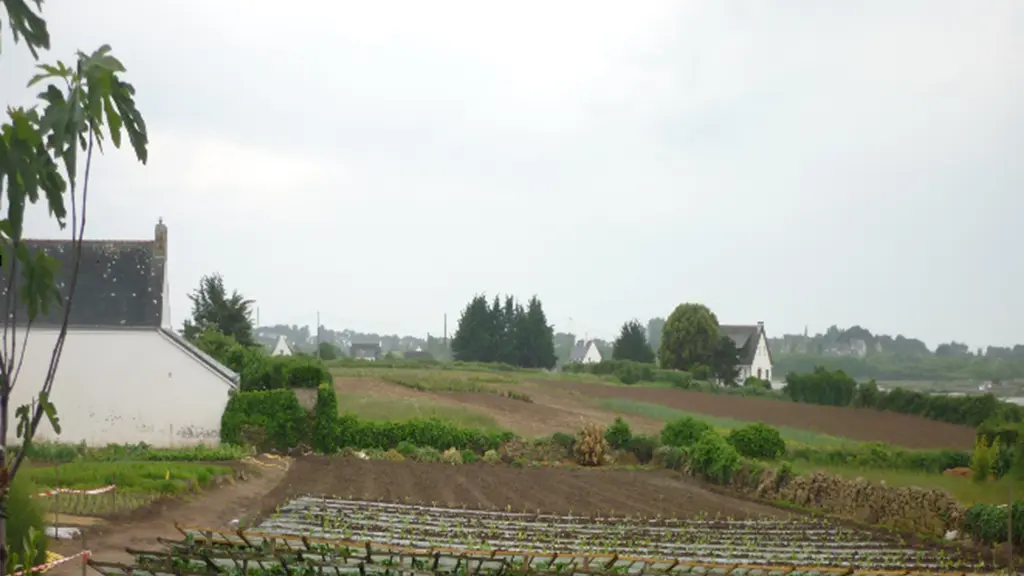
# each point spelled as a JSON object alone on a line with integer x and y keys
{"x": 907, "y": 509}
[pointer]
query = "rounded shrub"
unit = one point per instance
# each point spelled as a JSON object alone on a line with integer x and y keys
{"x": 671, "y": 457}
{"x": 684, "y": 432}
{"x": 405, "y": 448}
{"x": 618, "y": 434}
{"x": 758, "y": 440}
{"x": 714, "y": 458}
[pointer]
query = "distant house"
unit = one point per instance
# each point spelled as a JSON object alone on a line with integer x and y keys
{"x": 755, "y": 354}
{"x": 585, "y": 353}
{"x": 124, "y": 376}
{"x": 281, "y": 347}
{"x": 418, "y": 355}
{"x": 365, "y": 351}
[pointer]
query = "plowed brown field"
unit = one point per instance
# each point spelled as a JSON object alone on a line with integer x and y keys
{"x": 854, "y": 423}
{"x": 553, "y": 490}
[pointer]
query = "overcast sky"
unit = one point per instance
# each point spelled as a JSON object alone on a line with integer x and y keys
{"x": 798, "y": 162}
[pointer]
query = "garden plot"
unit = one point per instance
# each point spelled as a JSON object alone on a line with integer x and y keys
{"x": 804, "y": 542}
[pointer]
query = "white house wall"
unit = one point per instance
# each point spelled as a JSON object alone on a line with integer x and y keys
{"x": 592, "y": 355}
{"x": 762, "y": 361}
{"x": 125, "y": 387}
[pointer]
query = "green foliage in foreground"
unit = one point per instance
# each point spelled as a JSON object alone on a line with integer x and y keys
{"x": 151, "y": 477}
{"x": 25, "y": 514}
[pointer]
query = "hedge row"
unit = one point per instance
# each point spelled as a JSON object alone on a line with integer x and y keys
{"x": 630, "y": 372}
{"x": 274, "y": 419}
{"x": 987, "y": 523}
{"x": 882, "y": 456}
{"x": 836, "y": 388}
{"x": 259, "y": 371}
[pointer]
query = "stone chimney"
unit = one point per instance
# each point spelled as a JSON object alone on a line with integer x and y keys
{"x": 760, "y": 324}
{"x": 160, "y": 235}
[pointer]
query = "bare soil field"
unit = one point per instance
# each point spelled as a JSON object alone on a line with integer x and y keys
{"x": 552, "y": 490}
{"x": 854, "y": 423}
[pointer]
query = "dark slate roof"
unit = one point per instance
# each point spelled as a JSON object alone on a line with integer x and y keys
{"x": 745, "y": 337}
{"x": 119, "y": 284}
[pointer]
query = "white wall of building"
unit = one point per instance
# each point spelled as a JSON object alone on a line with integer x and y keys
{"x": 762, "y": 361}
{"x": 125, "y": 387}
{"x": 592, "y": 355}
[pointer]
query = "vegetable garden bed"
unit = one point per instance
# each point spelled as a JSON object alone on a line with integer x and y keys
{"x": 317, "y": 535}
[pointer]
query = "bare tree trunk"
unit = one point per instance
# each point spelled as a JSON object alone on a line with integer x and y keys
{"x": 4, "y": 401}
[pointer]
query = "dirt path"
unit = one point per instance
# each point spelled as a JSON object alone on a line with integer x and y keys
{"x": 214, "y": 508}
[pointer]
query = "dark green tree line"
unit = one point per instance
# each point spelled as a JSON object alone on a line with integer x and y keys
{"x": 506, "y": 332}
{"x": 632, "y": 344}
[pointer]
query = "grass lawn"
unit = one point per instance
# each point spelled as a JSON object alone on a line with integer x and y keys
{"x": 665, "y": 414}
{"x": 376, "y": 408}
{"x": 138, "y": 483}
{"x": 432, "y": 380}
{"x": 965, "y": 490}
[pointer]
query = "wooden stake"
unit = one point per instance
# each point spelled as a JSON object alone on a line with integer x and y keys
{"x": 56, "y": 497}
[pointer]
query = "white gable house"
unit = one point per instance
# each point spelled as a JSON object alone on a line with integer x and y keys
{"x": 281, "y": 347}
{"x": 755, "y": 355}
{"x": 585, "y": 353}
{"x": 125, "y": 376}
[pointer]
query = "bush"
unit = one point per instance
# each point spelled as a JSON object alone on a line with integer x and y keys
{"x": 24, "y": 516}
{"x": 684, "y": 431}
{"x": 642, "y": 446}
{"x": 714, "y": 458}
{"x": 271, "y": 419}
{"x": 618, "y": 434}
{"x": 590, "y": 446}
{"x": 986, "y": 523}
{"x": 564, "y": 440}
{"x": 491, "y": 457}
{"x": 671, "y": 457}
{"x": 982, "y": 459}
{"x": 677, "y": 378}
{"x": 427, "y": 454}
{"x": 393, "y": 456}
{"x": 758, "y": 440}
{"x": 434, "y": 433}
{"x": 452, "y": 456}
{"x": 406, "y": 449}
{"x": 326, "y": 420}
{"x": 468, "y": 456}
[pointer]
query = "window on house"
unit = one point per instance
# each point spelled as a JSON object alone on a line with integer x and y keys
{"x": 759, "y": 373}
{"x": 768, "y": 374}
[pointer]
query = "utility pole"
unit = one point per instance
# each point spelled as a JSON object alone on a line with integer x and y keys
{"x": 446, "y": 331}
{"x": 317, "y": 334}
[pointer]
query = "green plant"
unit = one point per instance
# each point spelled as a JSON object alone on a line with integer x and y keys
{"x": 714, "y": 458}
{"x": 684, "y": 431}
{"x": 325, "y": 420}
{"x": 427, "y": 454}
{"x": 618, "y": 434}
{"x": 406, "y": 449}
{"x": 430, "y": 432}
{"x": 468, "y": 456}
{"x": 642, "y": 446}
{"x": 25, "y": 515}
{"x": 564, "y": 440}
{"x": 271, "y": 419}
{"x": 982, "y": 459}
{"x": 492, "y": 457}
{"x": 758, "y": 440}
{"x": 671, "y": 457}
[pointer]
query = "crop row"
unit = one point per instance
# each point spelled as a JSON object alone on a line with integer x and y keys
{"x": 209, "y": 553}
{"x": 801, "y": 542}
